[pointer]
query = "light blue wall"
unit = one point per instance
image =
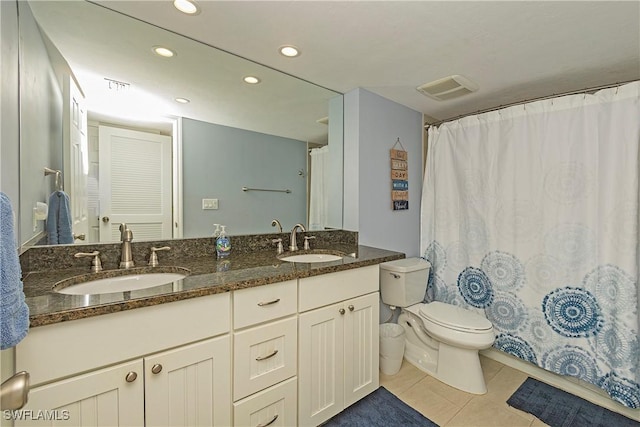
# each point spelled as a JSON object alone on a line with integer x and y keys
{"x": 219, "y": 160}
{"x": 372, "y": 125}
{"x": 10, "y": 135}
{"x": 41, "y": 122}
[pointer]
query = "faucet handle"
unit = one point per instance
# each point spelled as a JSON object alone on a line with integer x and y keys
{"x": 153, "y": 258}
{"x": 96, "y": 263}
{"x": 280, "y": 248}
{"x": 307, "y": 246}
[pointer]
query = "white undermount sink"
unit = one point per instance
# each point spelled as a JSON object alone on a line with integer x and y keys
{"x": 311, "y": 258}
{"x": 125, "y": 283}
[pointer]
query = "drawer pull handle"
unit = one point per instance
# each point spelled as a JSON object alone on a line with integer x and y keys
{"x": 351, "y": 308}
{"x": 341, "y": 311}
{"x": 157, "y": 368}
{"x": 271, "y": 421}
{"x": 262, "y": 304}
{"x": 131, "y": 377}
{"x": 268, "y": 356}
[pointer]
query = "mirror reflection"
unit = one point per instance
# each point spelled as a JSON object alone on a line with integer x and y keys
{"x": 101, "y": 112}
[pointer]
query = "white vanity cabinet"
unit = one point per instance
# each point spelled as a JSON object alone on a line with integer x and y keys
{"x": 338, "y": 345}
{"x": 151, "y": 366}
{"x": 283, "y": 354}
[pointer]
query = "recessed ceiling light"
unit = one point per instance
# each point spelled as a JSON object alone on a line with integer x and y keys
{"x": 251, "y": 80}
{"x": 182, "y": 100}
{"x": 186, "y": 6}
{"x": 289, "y": 51}
{"x": 163, "y": 51}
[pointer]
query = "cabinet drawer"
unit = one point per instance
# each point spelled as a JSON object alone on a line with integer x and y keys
{"x": 275, "y": 406}
{"x": 263, "y": 303}
{"x": 318, "y": 291}
{"x": 263, "y": 356}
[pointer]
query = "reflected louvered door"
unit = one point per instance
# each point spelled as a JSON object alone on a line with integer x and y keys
{"x": 135, "y": 184}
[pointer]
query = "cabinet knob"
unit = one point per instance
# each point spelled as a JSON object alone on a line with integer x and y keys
{"x": 351, "y": 308}
{"x": 157, "y": 368}
{"x": 105, "y": 219}
{"x": 341, "y": 311}
{"x": 131, "y": 377}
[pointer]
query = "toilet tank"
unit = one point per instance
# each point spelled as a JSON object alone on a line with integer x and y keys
{"x": 403, "y": 282}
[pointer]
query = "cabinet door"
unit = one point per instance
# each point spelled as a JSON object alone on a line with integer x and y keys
{"x": 320, "y": 364}
{"x": 361, "y": 337}
{"x": 107, "y": 397}
{"x": 190, "y": 385}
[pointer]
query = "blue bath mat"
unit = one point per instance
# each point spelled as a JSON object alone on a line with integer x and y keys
{"x": 380, "y": 409}
{"x": 561, "y": 409}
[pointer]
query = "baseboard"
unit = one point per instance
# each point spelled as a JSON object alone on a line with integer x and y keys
{"x": 569, "y": 384}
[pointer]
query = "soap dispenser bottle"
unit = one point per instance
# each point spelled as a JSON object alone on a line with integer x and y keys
{"x": 223, "y": 244}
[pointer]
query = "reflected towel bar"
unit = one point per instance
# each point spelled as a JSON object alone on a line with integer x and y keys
{"x": 264, "y": 189}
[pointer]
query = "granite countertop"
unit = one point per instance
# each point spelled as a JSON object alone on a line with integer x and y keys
{"x": 207, "y": 276}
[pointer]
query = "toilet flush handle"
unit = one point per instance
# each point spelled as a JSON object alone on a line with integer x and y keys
{"x": 395, "y": 276}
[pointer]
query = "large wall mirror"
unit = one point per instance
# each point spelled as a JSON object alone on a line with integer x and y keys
{"x": 101, "y": 123}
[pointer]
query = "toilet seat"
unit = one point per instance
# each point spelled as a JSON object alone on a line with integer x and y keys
{"x": 452, "y": 317}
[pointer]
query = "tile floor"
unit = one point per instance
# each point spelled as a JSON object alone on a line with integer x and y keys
{"x": 447, "y": 406}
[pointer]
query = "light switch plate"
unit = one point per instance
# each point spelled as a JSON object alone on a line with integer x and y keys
{"x": 208, "y": 204}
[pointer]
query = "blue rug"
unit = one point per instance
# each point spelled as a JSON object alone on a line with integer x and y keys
{"x": 380, "y": 408}
{"x": 558, "y": 408}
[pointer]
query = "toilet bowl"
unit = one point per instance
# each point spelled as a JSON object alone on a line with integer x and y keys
{"x": 441, "y": 339}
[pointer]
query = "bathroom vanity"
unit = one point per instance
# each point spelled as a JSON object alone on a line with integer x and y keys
{"x": 243, "y": 346}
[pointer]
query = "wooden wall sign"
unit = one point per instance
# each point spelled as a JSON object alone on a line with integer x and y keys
{"x": 399, "y": 178}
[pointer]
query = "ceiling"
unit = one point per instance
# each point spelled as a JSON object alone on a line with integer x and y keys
{"x": 514, "y": 50}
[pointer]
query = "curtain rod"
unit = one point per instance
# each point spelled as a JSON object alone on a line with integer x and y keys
{"x": 526, "y": 101}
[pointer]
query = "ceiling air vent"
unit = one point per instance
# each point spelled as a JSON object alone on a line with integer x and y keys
{"x": 448, "y": 88}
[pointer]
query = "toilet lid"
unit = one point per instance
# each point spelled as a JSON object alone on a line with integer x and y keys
{"x": 454, "y": 317}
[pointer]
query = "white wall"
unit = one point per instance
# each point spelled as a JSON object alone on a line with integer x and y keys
{"x": 372, "y": 125}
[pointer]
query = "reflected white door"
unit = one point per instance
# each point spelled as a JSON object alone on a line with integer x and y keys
{"x": 135, "y": 184}
{"x": 76, "y": 159}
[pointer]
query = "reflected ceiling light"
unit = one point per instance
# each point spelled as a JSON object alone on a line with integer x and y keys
{"x": 289, "y": 51}
{"x": 186, "y": 6}
{"x": 182, "y": 100}
{"x": 252, "y": 80}
{"x": 163, "y": 51}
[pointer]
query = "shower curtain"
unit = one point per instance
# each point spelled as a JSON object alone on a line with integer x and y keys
{"x": 530, "y": 217}
{"x": 318, "y": 190}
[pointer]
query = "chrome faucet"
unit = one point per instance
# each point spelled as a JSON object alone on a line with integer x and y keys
{"x": 293, "y": 244}
{"x": 126, "y": 236}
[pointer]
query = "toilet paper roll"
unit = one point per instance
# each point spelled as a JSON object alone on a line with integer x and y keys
{"x": 40, "y": 211}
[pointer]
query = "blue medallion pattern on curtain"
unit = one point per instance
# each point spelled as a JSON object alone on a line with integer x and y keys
{"x": 530, "y": 218}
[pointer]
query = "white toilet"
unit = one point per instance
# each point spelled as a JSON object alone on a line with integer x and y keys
{"x": 441, "y": 339}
